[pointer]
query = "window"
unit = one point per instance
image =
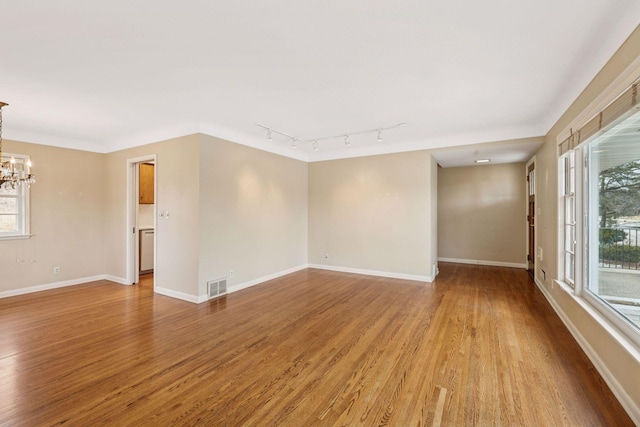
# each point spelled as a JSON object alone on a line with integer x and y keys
{"x": 569, "y": 214}
{"x": 612, "y": 220}
{"x": 14, "y": 206}
{"x": 599, "y": 212}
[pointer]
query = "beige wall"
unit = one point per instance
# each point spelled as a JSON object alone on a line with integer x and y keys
{"x": 373, "y": 213}
{"x": 177, "y": 191}
{"x": 610, "y": 354}
{"x": 253, "y": 213}
{"x": 67, "y": 217}
{"x": 482, "y": 213}
{"x": 232, "y": 208}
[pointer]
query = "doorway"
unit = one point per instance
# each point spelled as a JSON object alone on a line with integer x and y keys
{"x": 531, "y": 217}
{"x": 141, "y": 219}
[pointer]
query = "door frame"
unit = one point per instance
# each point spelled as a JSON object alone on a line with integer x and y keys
{"x": 531, "y": 234}
{"x": 132, "y": 242}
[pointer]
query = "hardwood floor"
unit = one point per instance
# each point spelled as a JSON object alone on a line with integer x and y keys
{"x": 480, "y": 346}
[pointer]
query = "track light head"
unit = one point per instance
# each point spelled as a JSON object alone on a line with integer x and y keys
{"x": 379, "y": 136}
{"x": 269, "y": 137}
{"x": 346, "y": 140}
{"x": 294, "y": 143}
{"x": 315, "y": 145}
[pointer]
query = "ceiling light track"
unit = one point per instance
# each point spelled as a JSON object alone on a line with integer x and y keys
{"x": 314, "y": 142}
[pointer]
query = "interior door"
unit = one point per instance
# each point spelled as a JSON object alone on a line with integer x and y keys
{"x": 531, "y": 217}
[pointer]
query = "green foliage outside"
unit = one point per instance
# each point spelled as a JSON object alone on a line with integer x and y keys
{"x": 619, "y": 192}
{"x": 618, "y": 253}
{"x": 609, "y": 236}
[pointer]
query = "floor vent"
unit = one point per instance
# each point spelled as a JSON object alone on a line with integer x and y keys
{"x": 217, "y": 287}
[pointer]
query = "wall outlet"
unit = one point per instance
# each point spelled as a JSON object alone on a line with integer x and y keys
{"x": 56, "y": 270}
{"x": 231, "y": 274}
{"x": 326, "y": 256}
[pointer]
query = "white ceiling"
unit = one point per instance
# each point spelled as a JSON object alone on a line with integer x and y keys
{"x": 103, "y": 76}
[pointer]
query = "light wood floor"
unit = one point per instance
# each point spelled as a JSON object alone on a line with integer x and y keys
{"x": 480, "y": 346}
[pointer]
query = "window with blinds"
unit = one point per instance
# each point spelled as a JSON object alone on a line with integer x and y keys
{"x": 599, "y": 212}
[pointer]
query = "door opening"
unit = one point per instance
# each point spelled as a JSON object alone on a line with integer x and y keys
{"x": 531, "y": 215}
{"x": 141, "y": 219}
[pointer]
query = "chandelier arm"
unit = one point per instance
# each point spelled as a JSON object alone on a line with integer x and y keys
{"x": 12, "y": 173}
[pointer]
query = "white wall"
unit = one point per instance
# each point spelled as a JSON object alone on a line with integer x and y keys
{"x": 177, "y": 191}
{"x": 482, "y": 211}
{"x": 374, "y": 214}
{"x": 67, "y": 217}
{"x": 253, "y": 213}
{"x": 617, "y": 361}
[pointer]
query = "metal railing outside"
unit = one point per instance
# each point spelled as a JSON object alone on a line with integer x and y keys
{"x": 620, "y": 251}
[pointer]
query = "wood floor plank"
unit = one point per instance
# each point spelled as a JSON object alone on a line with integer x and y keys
{"x": 479, "y": 346}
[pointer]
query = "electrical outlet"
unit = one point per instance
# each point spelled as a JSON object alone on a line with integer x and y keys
{"x": 167, "y": 215}
{"x": 56, "y": 270}
{"x": 231, "y": 274}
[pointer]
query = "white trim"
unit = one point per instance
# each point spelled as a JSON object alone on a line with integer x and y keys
{"x": 23, "y": 200}
{"x": 119, "y": 280}
{"x": 250, "y": 283}
{"x": 260, "y": 143}
{"x": 176, "y": 294}
{"x": 484, "y": 262}
{"x": 633, "y": 410}
{"x": 56, "y": 285}
{"x": 391, "y": 275}
{"x": 132, "y": 215}
{"x": 16, "y": 237}
{"x": 532, "y": 161}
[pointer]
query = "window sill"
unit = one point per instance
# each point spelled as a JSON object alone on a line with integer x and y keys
{"x": 565, "y": 287}
{"x": 16, "y": 237}
{"x": 624, "y": 334}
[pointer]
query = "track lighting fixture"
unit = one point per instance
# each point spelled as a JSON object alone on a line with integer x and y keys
{"x": 314, "y": 141}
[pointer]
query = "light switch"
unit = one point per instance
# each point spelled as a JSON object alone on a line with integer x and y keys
{"x": 161, "y": 215}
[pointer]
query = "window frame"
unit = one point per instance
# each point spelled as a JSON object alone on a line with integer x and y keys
{"x": 585, "y": 237}
{"x": 23, "y": 194}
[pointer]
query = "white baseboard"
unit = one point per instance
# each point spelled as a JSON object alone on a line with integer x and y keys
{"x": 263, "y": 279}
{"x": 120, "y": 280}
{"x": 245, "y": 285}
{"x": 176, "y": 294}
{"x": 55, "y": 285}
{"x": 418, "y": 278}
{"x": 620, "y": 393}
{"x": 483, "y": 262}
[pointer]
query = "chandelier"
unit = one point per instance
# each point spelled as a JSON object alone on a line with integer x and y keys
{"x": 13, "y": 172}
